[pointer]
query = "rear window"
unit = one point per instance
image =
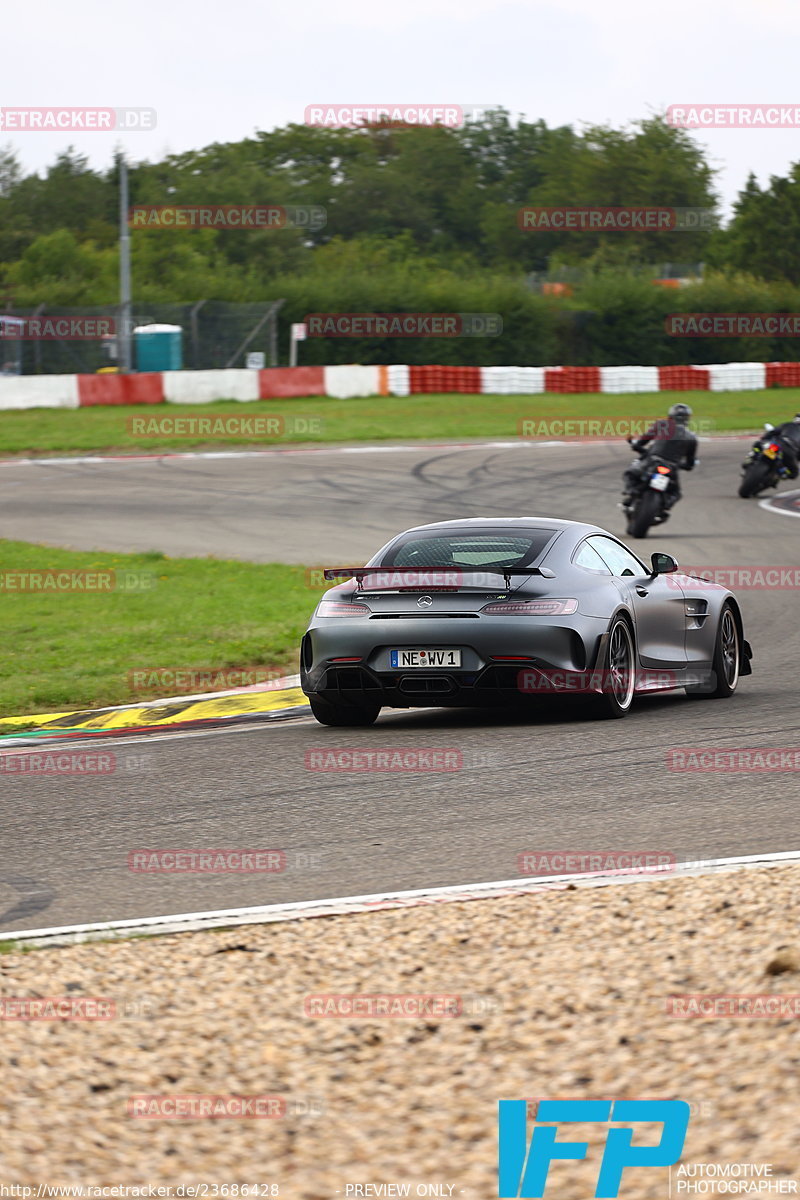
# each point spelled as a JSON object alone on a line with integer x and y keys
{"x": 487, "y": 548}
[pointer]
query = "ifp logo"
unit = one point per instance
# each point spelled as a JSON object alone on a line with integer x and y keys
{"x": 522, "y": 1170}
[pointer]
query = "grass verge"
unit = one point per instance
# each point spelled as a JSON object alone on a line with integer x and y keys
{"x": 77, "y": 648}
{"x": 45, "y": 431}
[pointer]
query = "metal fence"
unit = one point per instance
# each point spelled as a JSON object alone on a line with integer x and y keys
{"x": 215, "y": 334}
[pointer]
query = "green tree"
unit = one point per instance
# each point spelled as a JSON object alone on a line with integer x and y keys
{"x": 58, "y": 270}
{"x": 764, "y": 236}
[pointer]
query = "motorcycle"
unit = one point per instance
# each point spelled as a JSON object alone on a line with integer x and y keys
{"x": 655, "y": 495}
{"x": 764, "y": 466}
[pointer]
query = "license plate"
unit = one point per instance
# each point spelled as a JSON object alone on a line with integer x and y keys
{"x": 768, "y": 453}
{"x": 659, "y": 482}
{"x": 425, "y": 658}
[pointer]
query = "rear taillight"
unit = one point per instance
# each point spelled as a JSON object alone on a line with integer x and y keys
{"x": 663, "y": 470}
{"x": 338, "y": 608}
{"x": 531, "y": 608}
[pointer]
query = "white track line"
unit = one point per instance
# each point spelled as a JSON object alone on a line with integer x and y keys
{"x": 382, "y": 448}
{"x": 770, "y": 505}
{"x": 299, "y": 910}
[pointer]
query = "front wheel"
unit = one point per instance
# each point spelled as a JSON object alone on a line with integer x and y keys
{"x": 344, "y": 715}
{"x": 756, "y": 477}
{"x": 647, "y": 510}
{"x": 727, "y": 661}
{"x": 618, "y": 673}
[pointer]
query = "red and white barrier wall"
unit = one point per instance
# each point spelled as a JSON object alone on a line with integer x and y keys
{"x": 203, "y": 387}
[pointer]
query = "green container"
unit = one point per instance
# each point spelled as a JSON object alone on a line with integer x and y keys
{"x": 158, "y": 347}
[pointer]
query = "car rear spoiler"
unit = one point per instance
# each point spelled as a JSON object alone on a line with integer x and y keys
{"x": 361, "y": 573}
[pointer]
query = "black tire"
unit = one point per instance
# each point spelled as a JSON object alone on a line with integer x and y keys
{"x": 755, "y": 479}
{"x": 619, "y": 673}
{"x": 727, "y": 662}
{"x": 343, "y": 715}
{"x": 648, "y": 508}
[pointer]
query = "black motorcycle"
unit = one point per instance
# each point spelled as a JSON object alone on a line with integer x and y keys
{"x": 653, "y": 496}
{"x": 764, "y": 466}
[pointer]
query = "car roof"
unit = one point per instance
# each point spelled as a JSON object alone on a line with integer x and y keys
{"x": 556, "y": 523}
{"x": 566, "y": 534}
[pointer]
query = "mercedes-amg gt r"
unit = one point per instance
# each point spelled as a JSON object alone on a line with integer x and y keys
{"x": 494, "y": 610}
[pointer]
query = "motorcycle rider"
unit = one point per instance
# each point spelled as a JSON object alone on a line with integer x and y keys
{"x": 670, "y": 439}
{"x": 789, "y": 433}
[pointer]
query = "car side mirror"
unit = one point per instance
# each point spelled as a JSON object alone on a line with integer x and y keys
{"x": 663, "y": 564}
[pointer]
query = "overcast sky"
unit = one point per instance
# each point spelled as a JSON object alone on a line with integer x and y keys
{"x": 219, "y": 71}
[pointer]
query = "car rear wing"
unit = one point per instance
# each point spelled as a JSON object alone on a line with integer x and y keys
{"x": 448, "y": 571}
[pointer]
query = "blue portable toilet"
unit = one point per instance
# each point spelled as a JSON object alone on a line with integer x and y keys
{"x": 158, "y": 347}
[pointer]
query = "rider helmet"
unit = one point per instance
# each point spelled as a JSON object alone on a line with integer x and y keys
{"x": 681, "y": 413}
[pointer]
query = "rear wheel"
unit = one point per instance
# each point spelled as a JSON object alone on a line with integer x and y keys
{"x": 755, "y": 479}
{"x": 727, "y": 661}
{"x": 619, "y": 673}
{"x": 344, "y": 714}
{"x": 648, "y": 508}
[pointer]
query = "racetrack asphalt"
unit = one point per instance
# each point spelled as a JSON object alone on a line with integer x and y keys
{"x": 552, "y": 781}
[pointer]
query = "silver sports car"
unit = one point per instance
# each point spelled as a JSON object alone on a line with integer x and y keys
{"x": 501, "y": 610}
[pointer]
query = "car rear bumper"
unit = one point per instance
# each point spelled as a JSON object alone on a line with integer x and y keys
{"x": 483, "y": 679}
{"x": 493, "y": 684}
